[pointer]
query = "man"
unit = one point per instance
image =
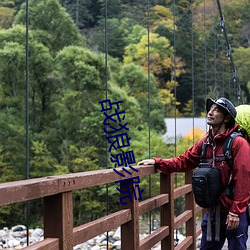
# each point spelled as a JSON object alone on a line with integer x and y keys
{"x": 221, "y": 115}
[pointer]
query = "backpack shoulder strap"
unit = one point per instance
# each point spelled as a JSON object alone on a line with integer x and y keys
{"x": 227, "y": 148}
{"x": 203, "y": 152}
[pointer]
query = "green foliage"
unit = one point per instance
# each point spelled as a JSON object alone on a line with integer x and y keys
{"x": 42, "y": 162}
{"x": 118, "y": 31}
{"x": 6, "y": 17}
{"x": 242, "y": 63}
{"x": 13, "y": 148}
{"x": 53, "y": 25}
{"x": 136, "y": 82}
{"x": 84, "y": 13}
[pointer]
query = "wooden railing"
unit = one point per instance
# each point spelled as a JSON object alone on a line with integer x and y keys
{"x": 59, "y": 232}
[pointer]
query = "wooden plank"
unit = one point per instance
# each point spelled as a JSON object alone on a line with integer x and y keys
{"x": 178, "y": 192}
{"x": 182, "y": 218}
{"x": 98, "y": 177}
{"x": 154, "y": 238}
{"x": 90, "y": 230}
{"x": 46, "y": 244}
{"x": 152, "y": 203}
{"x": 185, "y": 244}
{"x": 24, "y": 190}
{"x": 190, "y": 205}
{"x": 130, "y": 230}
{"x": 167, "y": 210}
{"x": 58, "y": 219}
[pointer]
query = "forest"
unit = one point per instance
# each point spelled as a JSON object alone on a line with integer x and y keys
{"x": 161, "y": 58}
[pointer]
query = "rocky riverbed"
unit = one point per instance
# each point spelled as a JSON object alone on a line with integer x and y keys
{"x": 16, "y": 238}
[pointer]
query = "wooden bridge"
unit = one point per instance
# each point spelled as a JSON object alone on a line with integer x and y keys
{"x": 59, "y": 233}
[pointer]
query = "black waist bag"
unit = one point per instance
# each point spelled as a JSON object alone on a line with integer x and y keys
{"x": 206, "y": 182}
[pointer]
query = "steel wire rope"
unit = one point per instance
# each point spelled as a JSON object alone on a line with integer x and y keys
{"x": 229, "y": 83}
{"x": 175, "y": 95}
{"x": 192, "y": 73}
{"x": 106, "y": 93}
{"x": 149, "y": 121}
{"x": 237, "y": 88}
{"x": 174, "y": 78}
{"x": 77, "y": 13}
{"x": 221, "y": 68}
{"x": 221, "y": 46}
{"x": 205, "y": 48}
{"x": 215, "y": 51}
{"x": 27, "y": 206}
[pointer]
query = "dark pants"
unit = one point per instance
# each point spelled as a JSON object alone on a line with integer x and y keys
{"x": 237, "y": 238}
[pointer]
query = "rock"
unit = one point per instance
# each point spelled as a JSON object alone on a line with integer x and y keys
{"x": 91, "y": 242}
{"x": 18, "y": 228}
{"x": 81, "y": 246}
{"x": 117, "y": 235}
{"x": 117, "y": 244}
{"x": 111, "y": 233}
{"x": 13, "y": 243}
{"x": 16, "y": 238}
{"x": 18, "y": 247}
{"x": 112, "y": 240}
{"x": 103, "y": 243}
{"x": 100, "y": 238}
{"x": 3, "y": 233}
{"x": 95, "y": 248}
{"x": 38, "y": 232}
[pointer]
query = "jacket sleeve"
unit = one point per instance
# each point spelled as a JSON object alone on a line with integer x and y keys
{"x": 185, "y": 162}
{"x": 241, "y": 175}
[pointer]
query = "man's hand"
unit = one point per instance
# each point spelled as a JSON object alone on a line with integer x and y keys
{"x": 147, "y": 162}
{"x": 232, "y": 221}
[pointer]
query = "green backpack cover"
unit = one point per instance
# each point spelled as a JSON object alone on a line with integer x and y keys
{"x": 243, "y": 119}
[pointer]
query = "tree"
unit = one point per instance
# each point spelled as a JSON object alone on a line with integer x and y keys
{"x": 6, "y": 17}
{"x": 242, "y": 64}
{"x": 161, "y": 16}
{"x": 117, "y": 33}
{"x": 132, "y": 78}
{"x": 53, "y": 25}
{"x": 161, "y": 57}
{"x": 40, "y": 60}
{"x": 84, "y": 13}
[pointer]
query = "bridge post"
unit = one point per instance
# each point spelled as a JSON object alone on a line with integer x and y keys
{"x": 190, "y": 205}
{"x": 130, "y": 230}
{"x": 58, "y": 219}
{"x": 167, "y": 210}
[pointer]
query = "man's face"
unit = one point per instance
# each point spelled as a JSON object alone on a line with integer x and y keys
{"x": 215, "y": 116}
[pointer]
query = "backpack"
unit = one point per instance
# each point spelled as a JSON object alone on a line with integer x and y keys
{"x": 206, "y": 179}
{"x": 243, "y": 120}
{"x": 206, "y": 185}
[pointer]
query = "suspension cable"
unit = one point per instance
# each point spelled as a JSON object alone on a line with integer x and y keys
{"x": 229, "y": 53}
{"x": 205, "y": 50}
{"x": 174, "y": 75}
{"x": 192, "y": 76}
{"x": 215, "y": 51}
{"x": 175, "y": 95}
{"x": 106, "y": 83}
{"x": 27, "y": 207}
{"x": 149, "y": 121}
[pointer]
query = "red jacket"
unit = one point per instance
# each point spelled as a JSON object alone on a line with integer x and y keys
{"x": 241, "y": 167}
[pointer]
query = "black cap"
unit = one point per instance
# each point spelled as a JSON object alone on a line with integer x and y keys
{"x": 223, "y": 103}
